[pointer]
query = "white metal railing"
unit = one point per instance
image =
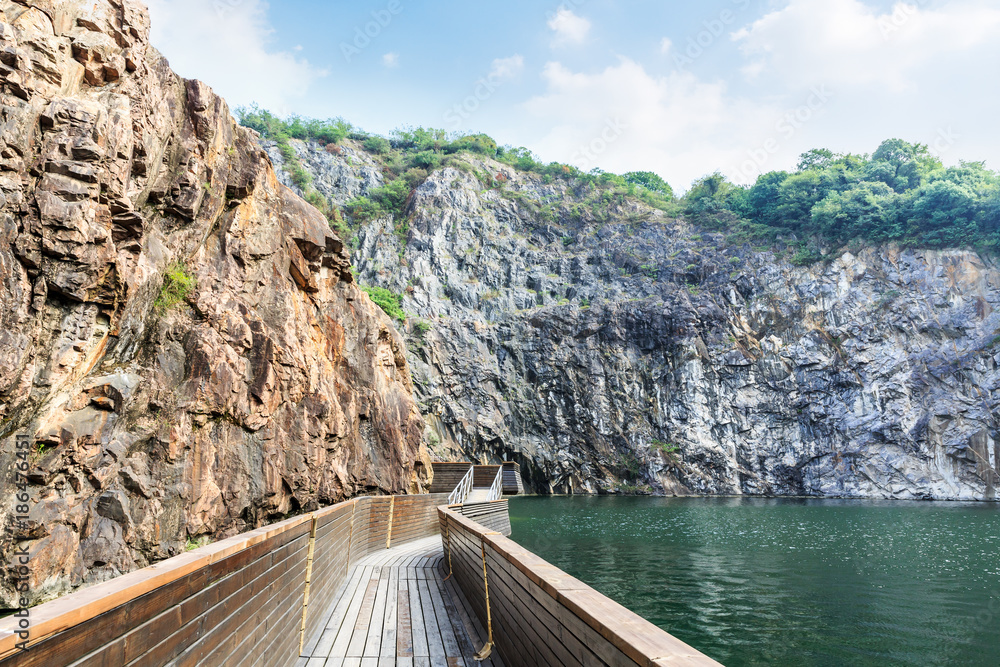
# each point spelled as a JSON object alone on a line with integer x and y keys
{"x": 496, "y": 491}
{"x": 464, "y": 488}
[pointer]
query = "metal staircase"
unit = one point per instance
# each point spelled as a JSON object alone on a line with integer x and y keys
{"x": 481, "y": 484}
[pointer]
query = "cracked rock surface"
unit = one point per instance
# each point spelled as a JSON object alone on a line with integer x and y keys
{"x": 607, "y": 347}
{"x": 273, "y": 387}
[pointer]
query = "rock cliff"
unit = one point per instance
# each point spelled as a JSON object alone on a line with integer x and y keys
{"x": 607, "y": 347}
{"x": 272, "y": 385}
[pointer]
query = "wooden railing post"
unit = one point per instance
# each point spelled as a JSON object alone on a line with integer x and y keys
{"x": 392, "y": 507}
{"x": 350, "y": 539}
{"x": 305, "y": 596}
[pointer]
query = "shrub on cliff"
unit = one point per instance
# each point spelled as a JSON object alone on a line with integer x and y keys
{"x": 377, "y": 145}
{"x": 388, "y": 301}
{"x": 178, "y": 285}
{"x": 389, "y": 199}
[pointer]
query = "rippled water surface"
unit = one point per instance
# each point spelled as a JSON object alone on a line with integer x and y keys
{"x": 788, "y": 582}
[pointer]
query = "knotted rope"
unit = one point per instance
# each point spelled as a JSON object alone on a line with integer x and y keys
{"x": 488, "y": 649}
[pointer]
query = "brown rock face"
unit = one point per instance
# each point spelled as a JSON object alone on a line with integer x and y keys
{"x": 275, "y": 386}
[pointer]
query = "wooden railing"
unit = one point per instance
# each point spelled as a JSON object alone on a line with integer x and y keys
{"x": 253, "y": 599}
{"x": 493, "y": 515}
{"x": 536, "y": 614}
{"x": 261, "y": 598}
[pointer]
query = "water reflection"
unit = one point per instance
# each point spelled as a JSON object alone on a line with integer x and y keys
{"x": 788, "y": 582}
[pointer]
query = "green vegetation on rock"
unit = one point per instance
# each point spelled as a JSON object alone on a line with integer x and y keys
{"x": 388, "y": 301}
{"x": 178, "y": 285}
{"x": 901, "y": 193}
{"x": 329, "y": 132}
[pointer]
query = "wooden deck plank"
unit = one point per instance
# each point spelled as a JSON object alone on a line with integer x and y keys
{"x": 373, "y": 642}
{"x": 359, "y": 633}
{"x": 417, "y": 620}
{"x": 356, "y": 649}
{"x": 451, "y": 615}
{"x": 391, "y": 610}
{"x": 475, "y": 631}
{"x": 404, "y": 630}
{"x": 435, "y": 644}
{"x": 394, "y": 610}
{"x": 346, "y": 631}
{"x": 336, "y": 619}
{"x": 448, "y": 638}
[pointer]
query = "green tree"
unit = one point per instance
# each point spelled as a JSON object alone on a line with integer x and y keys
{"x": 817, "y": 158}
{"x": 651, "y": 182}
{"x": 944, "y": 214}
{"x": 901, "y": 165}
{"x": 483, "y": 144}
{"x": 389, "y": 302}
{"x": 867, "y": 210}
{"x": 765, "y": 196}
{"x": 797, "y": 196}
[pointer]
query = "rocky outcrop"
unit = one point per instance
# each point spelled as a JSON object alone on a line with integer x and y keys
{"x": 607, "y": 347}
{"x": 272, "y": 387}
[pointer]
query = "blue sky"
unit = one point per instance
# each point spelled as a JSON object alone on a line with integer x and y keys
{"x": 680, "y": 88}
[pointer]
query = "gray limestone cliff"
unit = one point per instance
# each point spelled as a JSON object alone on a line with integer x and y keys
{"x": 607, "y": 347}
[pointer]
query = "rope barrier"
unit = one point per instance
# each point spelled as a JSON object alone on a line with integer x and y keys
{"x": 488, "y": 649}
{"x": 447, "y": 537}
{"x": 305, "y": 593}
{"x": 392, "y": 507}
{"x": 350, "y": 538}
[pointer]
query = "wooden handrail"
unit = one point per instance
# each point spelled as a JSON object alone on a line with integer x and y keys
{"x": 311, "y": 555}
{"x": 590, "y": 628}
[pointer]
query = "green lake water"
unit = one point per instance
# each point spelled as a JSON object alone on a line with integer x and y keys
{"x": 788, "y": 582}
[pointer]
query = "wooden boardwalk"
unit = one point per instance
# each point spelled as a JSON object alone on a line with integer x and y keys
{"x": 396, "y": 611}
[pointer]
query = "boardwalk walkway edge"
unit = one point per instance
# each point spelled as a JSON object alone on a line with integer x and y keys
{"x": 277, "y": 596}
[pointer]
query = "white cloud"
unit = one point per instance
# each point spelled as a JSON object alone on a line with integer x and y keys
{"x": 390, "y": 59}
{"x": 849, "y": 43}
{"x": 665, "y": 45}
{"x": 225, "y": 44}
{"x": 624, "y": 119}
{"x": 506, "y": 68}
{"x": 568, "y": 28}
